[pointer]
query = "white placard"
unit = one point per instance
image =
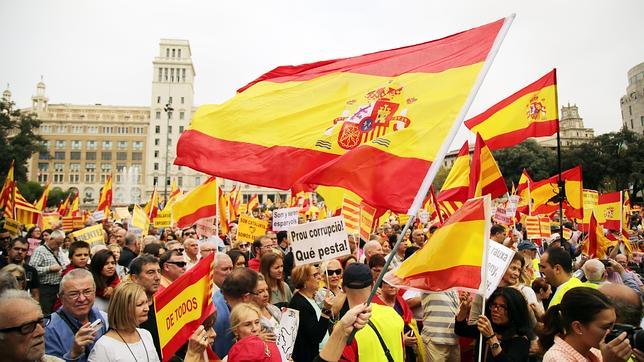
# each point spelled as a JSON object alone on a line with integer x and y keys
{"x": 283, "y": 219}
{"x": 498, "y": 259}
{"x": 423, "y": 216}
{"x": 98, "y": 215}
{"x": 320, "y": 240}
{"x": 287, "y": 333}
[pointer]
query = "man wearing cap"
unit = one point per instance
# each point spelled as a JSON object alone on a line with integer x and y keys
{"x": 529, "y": 250}
{"x": 366, "y": 346}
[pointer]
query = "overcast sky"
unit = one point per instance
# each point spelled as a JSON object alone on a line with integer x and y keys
{"x": 102, "y": 51}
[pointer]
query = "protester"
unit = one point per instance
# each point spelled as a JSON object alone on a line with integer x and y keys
{"x": 199, "y": 343}
{"x": 120, "y": 235}
{"x": 207, "y": 247}
{"x": 439, "y": 312}
{"x": 261, "y": 246}
{"x": 556, "y": 266}
{"x": 624, "y": 260}
{"x": 238, "y": 258}
{"x": 78, "y": 256}
{"x": 371, "y": 248}
{"x": 47, "y": 261}
{"x": 376, "y": 263}
{"x": 69, "y": 335}
{"x": 271, "y": 266}
{"x": 399, "y": 254}
{"x": 285, "y": 247}
{"x": 34, "y": 233}
{"x": 504, "y": 326}
{"x": 16, "y": 254}
{"x": 22, "y": 327}
{"x": 575, "y": 329}
{"x": 130, "y": 249}
{"x": 418, "y": 238}
{"x": 121, "y": 271}
{"x": 172, "y": 267}
{"x": 331, "y": 273}
{"x": 223, "y": 267}
{"x": 498, "y": 233}
{"x": 245, "y": 326}
{"x": 18, "y": 273}
{"x": 8, "y": 281}
{"x": 128, "y": 308}
{"x": 103, "y": 268}
{"x": 154, "y": 249}
{"x": 314, "y": 322}
{"x": 355, "y": 318}
{"x": 145, "y": 271}
{"x": 543, "y": 291}
{"x": 270, "y": 315}
{"x": 595, "y": 273}
{"x": 191, "y": 255}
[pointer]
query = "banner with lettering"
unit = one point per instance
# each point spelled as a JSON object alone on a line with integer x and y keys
{"x": 92, "y": 234}
{"x": 250, "y": 228}
{"x": 321, "y": 240}
{"x": 184, "y": 305}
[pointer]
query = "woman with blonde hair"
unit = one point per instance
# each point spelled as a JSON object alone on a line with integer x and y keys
{"x": 128, "y": 308}
{"x": 18, "y": 272}
{"x": 246, "y": 327}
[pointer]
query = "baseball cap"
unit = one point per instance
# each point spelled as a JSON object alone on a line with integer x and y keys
{"x": 526, "y": 245}
{"x": 357, "y": 276}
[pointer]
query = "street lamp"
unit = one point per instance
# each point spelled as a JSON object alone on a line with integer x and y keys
{"x": 168, "y": 110}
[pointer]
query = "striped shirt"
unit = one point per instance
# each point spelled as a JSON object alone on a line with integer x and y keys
{"x": 439, "y": 313}
{"x": 42, "y": 259}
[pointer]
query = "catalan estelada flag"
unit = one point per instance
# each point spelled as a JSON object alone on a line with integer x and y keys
{"x": 544, "y": 192}
{"x": 530, "y": 112}
{"x": 199, "y": 203}
{"x": 453, "y": 256}
{"x": 105, "y": 199}
{"x": 485, "y": 176}
{"x": 457, "y": 183}
{"x": 358, "y": 123}
{"x": 609, "y": 210}
{"x": 184, "y": 305}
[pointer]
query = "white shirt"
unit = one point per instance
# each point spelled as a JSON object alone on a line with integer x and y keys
{"x": 110, "y": 349}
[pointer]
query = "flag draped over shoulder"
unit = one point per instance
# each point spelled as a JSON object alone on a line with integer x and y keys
{"x": 457, "y": 183}
{"x": 453, "y": 256}
{"x": 530, "y": 112}
{"x": 360, "y": 123}
{"x": 485, "y": 176}
{"x": 199, "y": 203}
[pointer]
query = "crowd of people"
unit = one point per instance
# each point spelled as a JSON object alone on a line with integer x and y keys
{"x": 67, "y": 300}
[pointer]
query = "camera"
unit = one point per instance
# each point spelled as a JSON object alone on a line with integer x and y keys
{"x": 635, "y": 335}
{"x": 606, "y": 263}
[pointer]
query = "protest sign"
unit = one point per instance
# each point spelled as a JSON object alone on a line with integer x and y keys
{"x": 92, "y": 234}
{"x": 12, "y": 226}
{"x": 49, "y": 220}
{"x": 502, "y": 217}
{"x": 498, "y": 260}
{"x": 98, "y": 215}
{"x": 33, "y": 244}
{"x": 206, "y": 227}
{"x": 122, "y": 213}
{"x": 423, "y": 216}
{"x": 287, "y": 333}
{"x": 250, "y": 228}
{"x": 285, "y": 218}
{"x": 317, "y": 241}
{"x": 140, "y": 219}
{"x": 184, "y": 305}
{"x": 163, "y": 219}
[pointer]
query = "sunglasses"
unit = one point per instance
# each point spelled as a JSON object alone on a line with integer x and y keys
{"x": 180, "y": 264}
{"x": 190, "y": 233}
{"x": 334, "y": 271}
{"x": 243, "y": 245}
{"x": 28, "y": 327}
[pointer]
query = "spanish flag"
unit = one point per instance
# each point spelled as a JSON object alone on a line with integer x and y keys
{"x": 199, "y": 203}
{"x": 105, "y": 199}
{"x": 453, "y": 256}
{"x": 221, "y": 212}
{"x": 152, "y": 207}
{"x": 485, "y": 176}
{"x": 74, "y": 208}
{"x": 609, "y": 210}
{"x": 457, "y": 183}
{"x": 544, "y": 193}
{"x": 41, "y": 204}
{"x": 358, "y": 123}
{"x": 530, "y": 112}
{"x": 63, "y": 208}
{"x": 596, "y": 243}
{"x": 523, "y": 190}
{"x": 253, "y": 203}
{"x": 175, "y": 193}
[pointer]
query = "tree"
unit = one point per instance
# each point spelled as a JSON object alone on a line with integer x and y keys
{"x": 31, "y": 190}
{"x": 540, "y": 162}
{"x": 439, "y": 180}
{"x": 56, "y": 196}
{"x": 17, "y": 139}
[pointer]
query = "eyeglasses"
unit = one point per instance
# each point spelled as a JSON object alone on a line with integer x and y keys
{"x": 75, "y": 294}
{"x": 244, "y": 245}
{"x": 180, "y": 264}
{"x": 189, "y": 233}
{"x": 332, "y": 271}
{"x": 500, "y": 307}
{"x": 28, "y": 327}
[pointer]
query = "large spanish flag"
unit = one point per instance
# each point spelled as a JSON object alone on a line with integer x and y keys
{"x": 485, "y": 176}
{"x": 457, "y": 183}
{"x": 373, "y": 124}
{"x": 609, "y": 210}
{"x": 530, "y": 112}
{"x": 453, "y": 256}
{"x": 544, "y": 194}
{"x": 105, "y": 199}
{"x": 199, "y": 203}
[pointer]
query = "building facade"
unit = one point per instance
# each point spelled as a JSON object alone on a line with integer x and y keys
{"x": 571, "y": 130}
{"x": 632, "y": 103}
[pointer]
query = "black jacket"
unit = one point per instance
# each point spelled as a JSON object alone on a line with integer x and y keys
{"x": 310, "y": 332}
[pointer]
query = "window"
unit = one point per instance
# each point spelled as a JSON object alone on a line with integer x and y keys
{"x": 183, "y": 100}
{"x": 165, "y": 74}
{"x": 61, "y": 129}
{"x": 75, "y": 155}
{"x": 58, "y": 178}
{"x": 90, "y": 178}
{"x": 43, "y": 155}
{"x": 180, "y": 181}
{"x": 167, "y": 52}
{"x": 160, "y": 74}
{"x": 197, "y": 180}
{"x": 45, "y": 129}
{"x": 92, "y": 129}
{"x": 59, "y": 155}
{"x": 137, "y": 156}
{"x": 157, "y": 129}
{"x": 120, "y": 167}
{"x": 169, "y": 129}
{"x": 183, "y": 74}
{"x": 630, "y": 111}
{"x": 170, "y": 100}
{"x": 137, "y": 130}
{"x": 60, "y": 144}
{"x": 122, "y": 145}
{"x": 173, "y": 52}
{"x": 182, "y": 115}
{"x": 90, "y": 167}
{"x": 107, "y": 145}
{"x": 74, "y": 178}
{"x": 179, "y": 53}
{"x": 107, "y": 129}
{"x": 58, "y": 167}
{"x": 43, "y": 177}
{"x": 106, "y": 156}
{"x": 106, "y": 167}
{"x": 156, "y": 166}
{"x": 76, "y": 145}
{"x": 156, "y": 154}
{"x": 90, "y": 156}
{"x": 121, "y": 156}
{"x": 43, "y": 166}
{"x": 172, "y": 74}
{"x": 77, "y": 129}
{"x": 157, "y": 115}
{"x": 91, "y": 145}
{"x": 122, "y": 130}
{"x": 45, "y": 143}
{"x": 180, "y": 129}
{"x": 156, "y": 141}
{"x": 137, "y": 145}
{"x": 74, "y": 167}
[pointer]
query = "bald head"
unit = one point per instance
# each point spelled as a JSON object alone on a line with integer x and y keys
{"x": 628, "y": 305}
{"x": 594, "y": 270}
{"x": 372, "y": 247}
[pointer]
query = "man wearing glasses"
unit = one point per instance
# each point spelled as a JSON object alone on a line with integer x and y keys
{"x": 261, "y": 246}
{"x": 22, "y": 327}
{"x": 16, "y": 255}
{"x": 172, "y": 267}
{"x": 69, "y": 335}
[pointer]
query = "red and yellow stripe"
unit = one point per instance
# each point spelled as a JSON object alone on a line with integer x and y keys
{"x": 530, "y": 112}
{"x": 543, "y": 191}
{"x": 294, "y": 118}
{"x": 485, "y": 176}
{"x": 609, "y": 210}
{"x": 457, "y": 183}
{"x": 199, "y": 203}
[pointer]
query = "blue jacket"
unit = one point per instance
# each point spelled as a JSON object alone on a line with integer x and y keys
{"x": 224, "y": 340}
{"x": 59, "y": 337}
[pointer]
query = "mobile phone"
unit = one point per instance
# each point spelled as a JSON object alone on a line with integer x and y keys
{"x": 96, "y": 325}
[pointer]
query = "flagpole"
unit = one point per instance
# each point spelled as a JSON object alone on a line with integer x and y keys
{"x": 488, "y": 225}
{"x": 560, "y": 183}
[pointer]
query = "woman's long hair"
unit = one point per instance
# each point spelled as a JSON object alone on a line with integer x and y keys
{"x": 265, "y": 265}
{"x": 519, "y": 322}
{"x": 96, "y": 267}
{"x": 578, "y": 304}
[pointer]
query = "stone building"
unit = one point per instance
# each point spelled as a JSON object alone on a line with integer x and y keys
{"x": 632, "y": 103}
